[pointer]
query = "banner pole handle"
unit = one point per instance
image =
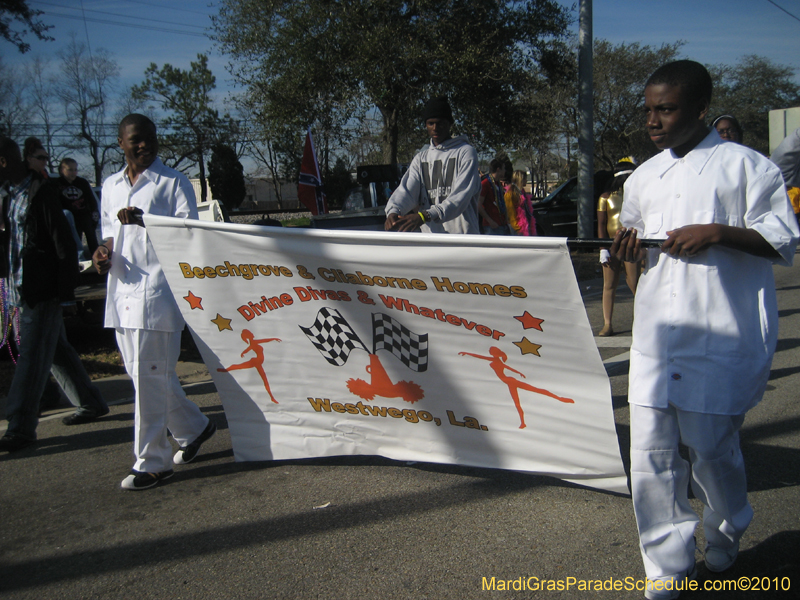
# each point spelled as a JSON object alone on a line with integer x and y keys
{"x": 589, "y": 243}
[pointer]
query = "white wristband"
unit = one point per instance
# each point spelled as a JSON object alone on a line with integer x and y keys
{"x": 605, "y": 256}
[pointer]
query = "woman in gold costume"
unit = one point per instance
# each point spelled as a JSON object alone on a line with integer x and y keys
{"x": 608, "y": 209}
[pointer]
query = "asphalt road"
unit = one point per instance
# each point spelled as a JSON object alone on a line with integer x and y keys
{"x": 367, "y": 527}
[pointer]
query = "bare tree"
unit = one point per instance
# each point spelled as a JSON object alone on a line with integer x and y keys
{"x": 84, "y": 84}
{"x": 44, "y": 106}
{"x": 14, "y": 108}
{"x": 265, "y": 156}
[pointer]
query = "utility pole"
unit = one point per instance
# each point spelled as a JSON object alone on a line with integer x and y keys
{"x": 585, "y": 125}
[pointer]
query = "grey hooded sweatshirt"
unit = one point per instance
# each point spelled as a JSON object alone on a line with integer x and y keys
{"x": 443, "y": 180}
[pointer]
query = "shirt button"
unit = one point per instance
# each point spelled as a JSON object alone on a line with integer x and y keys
{"x": 676, "y": 376}
{"x": 677, "y": 195}
{"x": 683, "y": 161}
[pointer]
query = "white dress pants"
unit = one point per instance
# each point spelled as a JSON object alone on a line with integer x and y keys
{"x": 150, "y": 359}
{"x": 660, "y": 480}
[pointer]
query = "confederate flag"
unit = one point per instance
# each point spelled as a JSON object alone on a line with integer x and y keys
{"x": 309, "y": 189}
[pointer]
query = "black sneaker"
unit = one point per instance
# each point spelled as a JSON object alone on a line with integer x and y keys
{"x": 187, "y": 453}
{"x": 12, "y": 442}
{"x": 139, "y": 480}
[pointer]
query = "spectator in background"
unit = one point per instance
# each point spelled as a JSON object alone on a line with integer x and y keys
{"x": 79, "y": 204}
{"x": 510, "y": 201}
{"x": 491, "y": 203}
{"x": 36, "y": 157}
{"x": 728, "y": 128}
{"x": 37, "y": 259}
{"x": 608, "y": 209}
{"x": 519, "y": 201}
{"x": 509, "y": 171}
{"x": 794, "y": 198}
{"x": 787, "y": 157}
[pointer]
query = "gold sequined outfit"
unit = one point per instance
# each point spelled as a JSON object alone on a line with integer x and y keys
{"x": 613, "y": 206}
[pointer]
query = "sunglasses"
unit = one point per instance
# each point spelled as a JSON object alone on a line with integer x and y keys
{"x": 41, "y": 157}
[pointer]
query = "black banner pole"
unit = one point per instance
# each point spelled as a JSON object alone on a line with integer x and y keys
{"x": 575, "y": 243}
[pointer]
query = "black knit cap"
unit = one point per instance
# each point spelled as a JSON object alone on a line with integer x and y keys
{"x": 437, "y": 108}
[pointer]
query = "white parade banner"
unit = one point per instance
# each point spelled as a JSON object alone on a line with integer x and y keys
{"x": 468, "y": 350}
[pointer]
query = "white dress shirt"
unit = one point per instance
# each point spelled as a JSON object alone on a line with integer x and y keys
{"x": 705, "y": 328}
{"x": 138, "y": 294}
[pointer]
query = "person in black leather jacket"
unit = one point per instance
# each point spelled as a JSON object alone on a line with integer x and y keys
{"x": 38, "y": 260}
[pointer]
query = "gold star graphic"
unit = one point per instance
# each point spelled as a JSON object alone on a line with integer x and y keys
{"x": 529, "y": 321}
{"x": 528, "y": 347}
{"x": 222, "y": 322}
{"x": 194, "y": 301}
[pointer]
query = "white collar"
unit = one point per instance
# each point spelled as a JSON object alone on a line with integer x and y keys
{"x": 696, "y": 158}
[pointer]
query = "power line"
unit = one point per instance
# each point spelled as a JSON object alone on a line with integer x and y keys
{"x": 132, "y": 25}
{"x": 784, "y": 10}
{"x": 89, "y": 47}
{"x": 163, "y": 7}
{"x": 112, "y": 14}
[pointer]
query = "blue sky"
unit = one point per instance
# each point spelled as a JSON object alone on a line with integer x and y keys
{"x": 136, "y": 32}
{"x": 715, "y": 31}
{"x": 139, "y": 32}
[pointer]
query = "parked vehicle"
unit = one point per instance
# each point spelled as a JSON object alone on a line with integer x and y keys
{"x": 557, "y": 214}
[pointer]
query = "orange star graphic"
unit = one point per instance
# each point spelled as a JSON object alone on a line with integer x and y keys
{"x": 222, "y": 322}
{"x": 529, "y": 321}
{"x": 194, "y": 301}
{"x": 528, "y": 347}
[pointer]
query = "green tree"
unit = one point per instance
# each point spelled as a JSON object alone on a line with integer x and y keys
{"x": 620, "y": 73}
{"x": 313, "y": 59}
{"x": 544, "y": 111}
{"x": 192, "y": 125}
{"x": 18, "y": 10}
{"x": 748, "y": 90}
{"x": 226, "y": 176}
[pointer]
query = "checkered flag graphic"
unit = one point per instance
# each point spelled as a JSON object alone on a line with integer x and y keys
{"x": 410, "y": 348}
{"x": 332, "y": 335}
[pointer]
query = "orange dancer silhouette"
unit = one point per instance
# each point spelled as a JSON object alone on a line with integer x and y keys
{"x": 497, "y": 361}
{"x": 381, "y": 385}
{"x": 257, "y": 362}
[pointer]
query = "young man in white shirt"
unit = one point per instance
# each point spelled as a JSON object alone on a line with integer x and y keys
{"x": 140, "y": 305}
{"x": 705, "y": 323}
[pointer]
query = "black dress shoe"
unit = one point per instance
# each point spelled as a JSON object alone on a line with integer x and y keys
{"x": 12, "y": 443}
{"x": 81, "y": 418}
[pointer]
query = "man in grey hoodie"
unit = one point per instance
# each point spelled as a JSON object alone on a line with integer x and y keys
{"x": 439, "y": 192}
